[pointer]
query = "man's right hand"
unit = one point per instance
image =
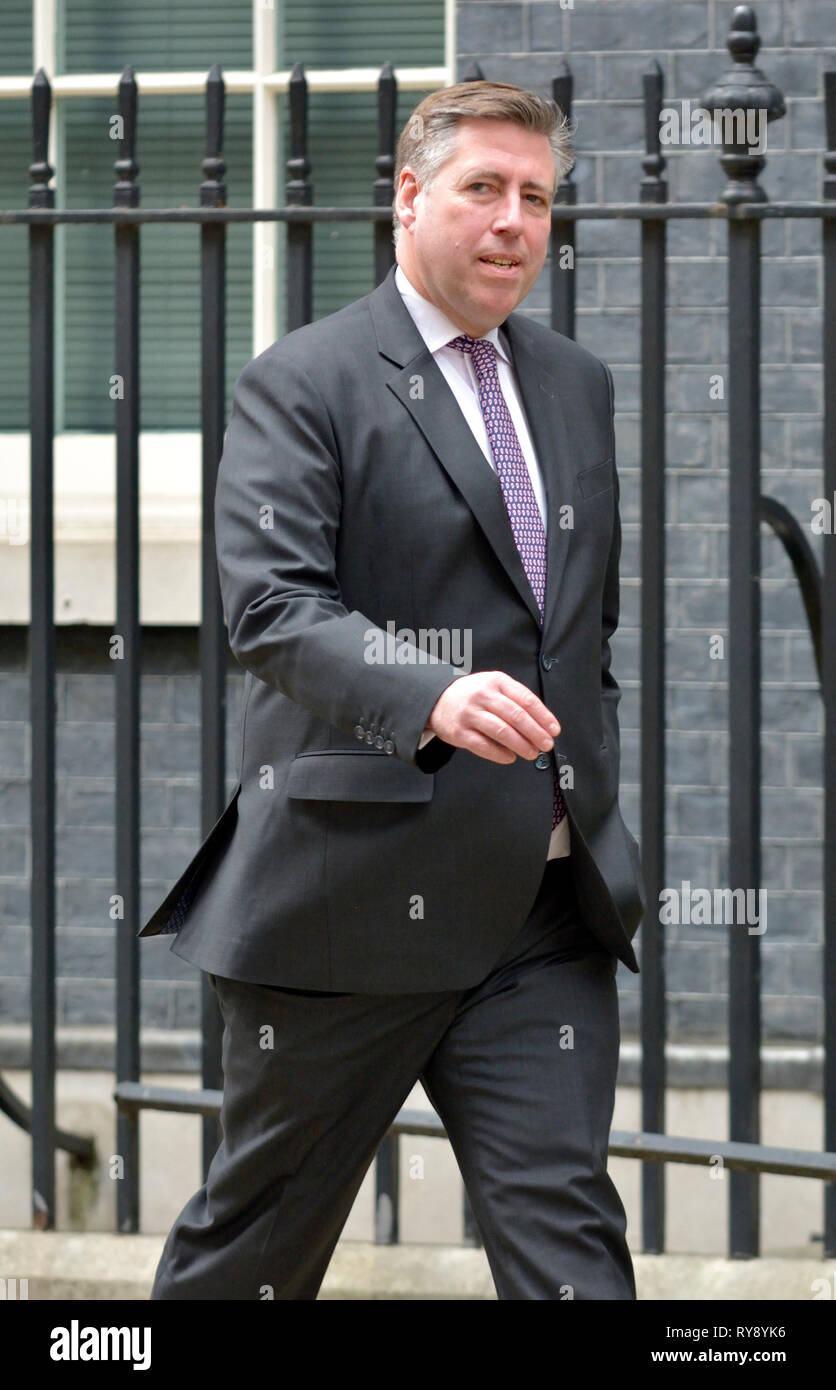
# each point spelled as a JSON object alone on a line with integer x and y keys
{"x": 493, "y": 716}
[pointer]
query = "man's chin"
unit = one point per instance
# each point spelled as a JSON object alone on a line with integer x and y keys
{"x": 494, "y": 307}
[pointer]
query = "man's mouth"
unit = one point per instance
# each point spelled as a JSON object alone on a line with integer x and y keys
{"x": 503, "y": 265}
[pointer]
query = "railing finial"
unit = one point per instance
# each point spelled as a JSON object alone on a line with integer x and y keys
{"x": 563, "y": 83}
{"x": 653, "y": 185}
{"x": 744, "y": 91}
{"x": 298, "y": 189}
{"x": 387, "y": 103}
{"x": 213, "y": 166}
{"x": 126, "y": 189}
{"x": 830, "y": 129}
{"x": 40, "y": 170}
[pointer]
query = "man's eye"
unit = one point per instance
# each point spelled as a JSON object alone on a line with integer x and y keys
{"x": 536, "y": 196}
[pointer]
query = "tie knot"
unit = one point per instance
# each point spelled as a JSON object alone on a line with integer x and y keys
{"x": 480, "y": 347}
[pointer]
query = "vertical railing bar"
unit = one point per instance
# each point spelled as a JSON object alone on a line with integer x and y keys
{"x": 213, "y": 639}
{"x": 41, "y": 663}
{"x": 471, "y": 1233}
{"x": 829, "y": 663}
{"x": 384, "y": 185}
{"x": 387, "y": 1182}
{"x": 744, "y": 88}
{"x": 299, "y": 193}
{"x": 744, "y": 716}
{"x": 654, "y": 189}
{"x": 125, "y": 651}
{"x": 563, "y": 276}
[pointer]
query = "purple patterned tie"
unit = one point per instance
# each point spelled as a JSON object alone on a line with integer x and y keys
{"x": 514, "y": 477}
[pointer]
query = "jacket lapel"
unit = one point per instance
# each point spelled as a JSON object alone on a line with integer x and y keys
{"x": 421, "y": 387}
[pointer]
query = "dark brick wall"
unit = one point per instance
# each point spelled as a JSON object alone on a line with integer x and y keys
{"x": 85, "y": 819}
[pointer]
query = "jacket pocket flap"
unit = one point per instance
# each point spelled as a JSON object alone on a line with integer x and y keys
{"x": 595, "y": 479}
{"x": 346, "y": 774}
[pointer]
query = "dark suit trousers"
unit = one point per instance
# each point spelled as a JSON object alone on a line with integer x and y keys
{"x": 521, "y": 1068}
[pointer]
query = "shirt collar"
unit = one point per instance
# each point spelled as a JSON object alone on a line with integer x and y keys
{"x": 433, "y": 324}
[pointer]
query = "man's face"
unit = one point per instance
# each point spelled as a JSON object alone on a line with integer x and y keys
{"x": 492, "y": 198}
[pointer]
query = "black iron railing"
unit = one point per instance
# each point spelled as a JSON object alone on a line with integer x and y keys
{"x": 742, "y": 206}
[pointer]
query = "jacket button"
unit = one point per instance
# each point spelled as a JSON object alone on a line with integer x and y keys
{"x": 388, "y": 746}
{"x": 379, "y": 741}
{"x": 542, "y": 760}
{"x": 546, "y": 661}
{"x": 359, "y": 731}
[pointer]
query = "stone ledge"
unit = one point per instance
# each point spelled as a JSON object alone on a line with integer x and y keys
{"x": 65, "y": 1265}
{"x": 791, "y": 1067}
{"x": 84, "y": 523}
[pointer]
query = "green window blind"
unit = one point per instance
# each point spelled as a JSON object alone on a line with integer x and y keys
{"x": 154, "y": 35}
{"x": 15, "y": 158}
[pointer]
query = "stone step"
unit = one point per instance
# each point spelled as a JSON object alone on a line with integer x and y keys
{"x": 76, "y": 1266}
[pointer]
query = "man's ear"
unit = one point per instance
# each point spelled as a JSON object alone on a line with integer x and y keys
{"x": 409, "y": 188}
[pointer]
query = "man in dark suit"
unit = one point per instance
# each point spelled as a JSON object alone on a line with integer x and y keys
{"x": 423, "y": 871}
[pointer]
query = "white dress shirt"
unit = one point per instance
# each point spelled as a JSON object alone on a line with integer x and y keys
{"x": 437, "y": 329}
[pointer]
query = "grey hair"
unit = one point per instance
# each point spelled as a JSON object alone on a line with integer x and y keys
{"x": 430, "y": 137}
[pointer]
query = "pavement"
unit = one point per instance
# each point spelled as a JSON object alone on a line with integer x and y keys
{"x": 69, "y": 1265}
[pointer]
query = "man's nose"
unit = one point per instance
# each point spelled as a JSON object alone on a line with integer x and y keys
{"x": 509, "y": 213}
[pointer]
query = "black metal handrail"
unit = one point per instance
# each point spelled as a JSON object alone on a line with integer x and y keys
{"x": 800, "y": 555}
{"x": 133, "y": 1097}
{"x": 81, "y": 1146}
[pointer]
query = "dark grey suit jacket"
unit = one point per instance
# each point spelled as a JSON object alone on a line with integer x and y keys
{"x": 352, "y": 494}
